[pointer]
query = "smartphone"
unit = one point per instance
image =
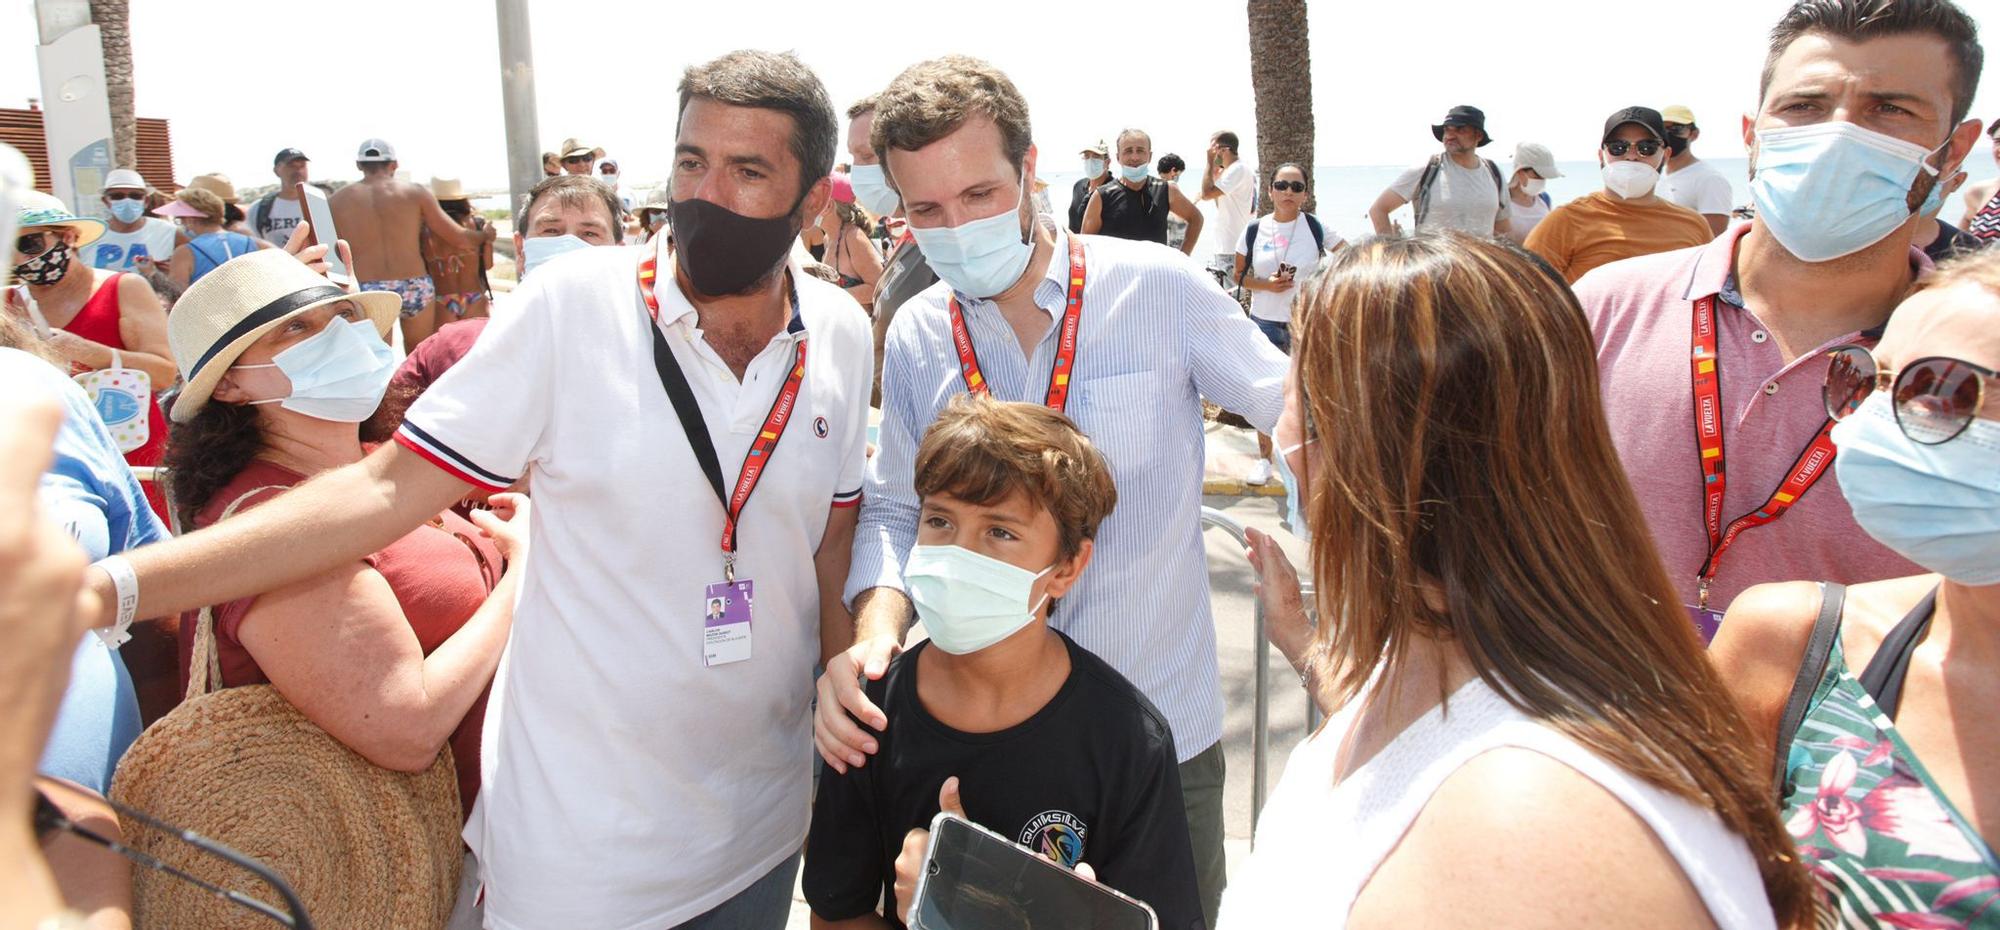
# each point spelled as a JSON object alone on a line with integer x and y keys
{"x": 319, "y": 214}
{"x": 975, "y": 879}
{"x": 1287, "y": 268}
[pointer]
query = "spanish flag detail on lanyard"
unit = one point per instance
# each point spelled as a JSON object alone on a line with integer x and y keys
{"x": 1059, "y": 374}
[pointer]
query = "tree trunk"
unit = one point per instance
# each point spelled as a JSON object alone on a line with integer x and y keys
{"x": 1281, "y": 78}
{"x": 114, "y": 24}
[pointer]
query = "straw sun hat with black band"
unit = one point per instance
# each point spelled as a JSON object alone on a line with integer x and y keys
{"x": 234, "y": 305}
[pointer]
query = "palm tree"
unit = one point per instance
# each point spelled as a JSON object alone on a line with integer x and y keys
{"x": 1281, "y": 79}
{"x": 113, "y": 21}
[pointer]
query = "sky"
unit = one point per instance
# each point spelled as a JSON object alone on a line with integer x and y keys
{"x": 240, "y": 79}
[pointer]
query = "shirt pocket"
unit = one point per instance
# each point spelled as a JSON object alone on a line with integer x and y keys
{"x": 1121, "y": 414}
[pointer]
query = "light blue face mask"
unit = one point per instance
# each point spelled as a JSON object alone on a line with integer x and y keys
{"x": 1832, "y": 189}
{"x": 536, "y": 251}
{"x": 1093, "y": 167}
{"x": 337, "y": 374}
{"x": 1133, "y": 172}
{"x": 969, "y": 601}
{"x": 1936, "y": 505}
{"x": 982, "y": 257}
{"x": 128, "y": 211}
{"x": 872, "y": 189}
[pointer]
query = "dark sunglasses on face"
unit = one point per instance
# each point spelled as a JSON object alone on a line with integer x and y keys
{"x": 124, "y": 195}
{"x": 1296, "y": 187}
{"x": 1934, "y": 398}
{"x": 32, "y": 245}
{"x": 576, "y": 160}
{"x": 1618, "y": 147}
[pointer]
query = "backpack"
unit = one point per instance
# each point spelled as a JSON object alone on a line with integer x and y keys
{"x": 1250, "y": 239}
{"x": 1421, "y": 203}
{"x": 260, "y": 215}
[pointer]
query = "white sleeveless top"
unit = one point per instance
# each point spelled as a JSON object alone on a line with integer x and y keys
{"x": 1319, "y": 843}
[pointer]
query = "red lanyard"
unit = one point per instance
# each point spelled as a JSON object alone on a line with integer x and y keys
{"x": 1058, "y": 396}
{"x": 761, "y": 449}
{"x": 1814, "y": 461}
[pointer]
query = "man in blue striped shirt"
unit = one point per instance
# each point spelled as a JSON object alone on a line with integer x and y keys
{"x": 1127, "y": 338}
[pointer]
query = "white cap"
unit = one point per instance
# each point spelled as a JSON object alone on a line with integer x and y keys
{"x": 1537, "y": 156}
{"x": 376, "y": 150}
{"x": 124, "y": 178}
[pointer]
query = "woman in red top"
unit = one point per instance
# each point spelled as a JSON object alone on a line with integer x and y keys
{"x": 391, "y": 654}
{"x": 96, "y": 318}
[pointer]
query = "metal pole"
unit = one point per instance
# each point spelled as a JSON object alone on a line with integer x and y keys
{"x": 517, "y": 97}
{"x": 1260, "y": 738}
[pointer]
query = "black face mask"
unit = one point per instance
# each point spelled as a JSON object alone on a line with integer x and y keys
{"x": 1676, "y": 144}
{"x": 724, "y": 252}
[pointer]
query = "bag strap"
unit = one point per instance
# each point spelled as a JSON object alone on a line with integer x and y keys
{"x": 1318, "y": 231}
{"x": 1420, "y": 205}
{"x": 1826, "y": 629}
{"x": 205, "y": 667}
{"x": 1499, "y": 184}
{"x": 1249, "y": 249}
{"x": 1883, "y": 678}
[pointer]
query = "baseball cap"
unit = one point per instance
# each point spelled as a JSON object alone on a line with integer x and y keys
{"x": 1678, "y": 114}
{"x": 1097, "y": 149}
{"x": 124, "y": 178}
{"x": 1537, "y": 156}
{"x": 1643, "y": 116}
{"x": 285, "y": 155}
{"x": 376, "y": 150}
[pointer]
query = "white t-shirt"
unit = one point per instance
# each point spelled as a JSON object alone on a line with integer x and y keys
{"x": 1521, "y": 220}
{"x": 624, "y": 784}
{"x": 1232, "y": 209}
{"x": 1282, "y": 242}
{"x": 285, "y": 217}
{"x": 1465, "y": 199}
{"x": 1320, "y": 841}
{"x": 1699, "y": 187}
{"x": 119, "y": 251}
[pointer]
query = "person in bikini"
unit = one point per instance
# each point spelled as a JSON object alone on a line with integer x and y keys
{"x": 381, "y": 218}
{"x": 458, "y": 274}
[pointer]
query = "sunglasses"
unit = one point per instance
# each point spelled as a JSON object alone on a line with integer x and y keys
{"x": 1618, "y": 147}
{"x": 1296, "y": 187}
{"x": 1934, "y": 398}
{"x": 124, "y": 195}
{"x": 577, "y": 160}
{"x": 33, "y": 244}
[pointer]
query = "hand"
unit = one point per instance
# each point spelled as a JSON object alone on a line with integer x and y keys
{"x": 1277, "y": 586}
{"x": 916, "y": 844}
{"x": 841, "y": 742}
{"x": 505, "y": 521}
{"x": 44, "y": 606}
{"x": 75, "y": 348}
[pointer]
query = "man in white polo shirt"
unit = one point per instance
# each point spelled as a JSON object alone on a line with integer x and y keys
{"x": 1126, "y": 340}
{"x": 645, "y": 765}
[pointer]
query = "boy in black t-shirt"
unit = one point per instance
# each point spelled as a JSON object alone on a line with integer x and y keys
{"x": 998, "y": 715}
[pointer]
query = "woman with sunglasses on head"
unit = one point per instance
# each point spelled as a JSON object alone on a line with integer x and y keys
{"x": 1522, "y": 730}
{"x": 1277, "y": 251}
{"x": 1879, "y": 697}
{"x": 93, "y": 318}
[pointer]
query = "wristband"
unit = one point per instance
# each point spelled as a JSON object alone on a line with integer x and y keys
{"x": 125, "y": 582}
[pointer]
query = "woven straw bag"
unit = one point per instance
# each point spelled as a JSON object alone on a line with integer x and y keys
{"x": 365, "y": 847}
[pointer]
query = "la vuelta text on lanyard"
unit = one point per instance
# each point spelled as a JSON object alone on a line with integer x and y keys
{"x": 761, "y": 449}
{"x": 1806, "y": 470}
{"x": 1059, "y": 375}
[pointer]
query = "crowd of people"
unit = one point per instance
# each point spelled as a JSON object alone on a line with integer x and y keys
{"x": 1655, "y": 549}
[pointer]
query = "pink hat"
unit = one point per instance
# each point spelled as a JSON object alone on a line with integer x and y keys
{"x": 843, "y": 189}
{"x": 177, "y": 208}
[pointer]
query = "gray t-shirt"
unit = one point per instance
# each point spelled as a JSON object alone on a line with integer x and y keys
{"x": 1464, "y": 199}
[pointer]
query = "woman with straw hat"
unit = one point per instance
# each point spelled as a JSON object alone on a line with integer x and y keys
{"x": 96, "y": 320}
{"x": 458, "y": 274}
{"x": 390, "y": 655}
{"x": 209, "y": 240}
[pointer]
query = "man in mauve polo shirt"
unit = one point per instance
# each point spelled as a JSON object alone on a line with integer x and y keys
{"x": 1862, "y": 113}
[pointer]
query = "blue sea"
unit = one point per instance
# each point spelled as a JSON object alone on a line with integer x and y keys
{"x": 1345, "y": 191}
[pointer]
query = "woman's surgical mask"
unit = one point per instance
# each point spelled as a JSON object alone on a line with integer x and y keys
{"x": 1936, "y": 505}
{"x": 1832, "y": 189}
{"x": 337, "y": 374}
{"x": 969, "y": 601}
{"x": 1533, "y": 187}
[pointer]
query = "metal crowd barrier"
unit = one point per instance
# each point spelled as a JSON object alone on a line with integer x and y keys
{"x": 1260, "y": 737}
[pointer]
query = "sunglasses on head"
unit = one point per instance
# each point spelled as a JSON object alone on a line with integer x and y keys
{"x": 33, "y": 244}
{"x": 1934, "y": 398}
{"x": 1296, "y": 187}
{"x": 124, "y": 195}
{"x": 1618, "y": 147}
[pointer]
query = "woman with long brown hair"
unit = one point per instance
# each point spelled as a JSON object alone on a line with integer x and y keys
{"x": 1523, "y": 729}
